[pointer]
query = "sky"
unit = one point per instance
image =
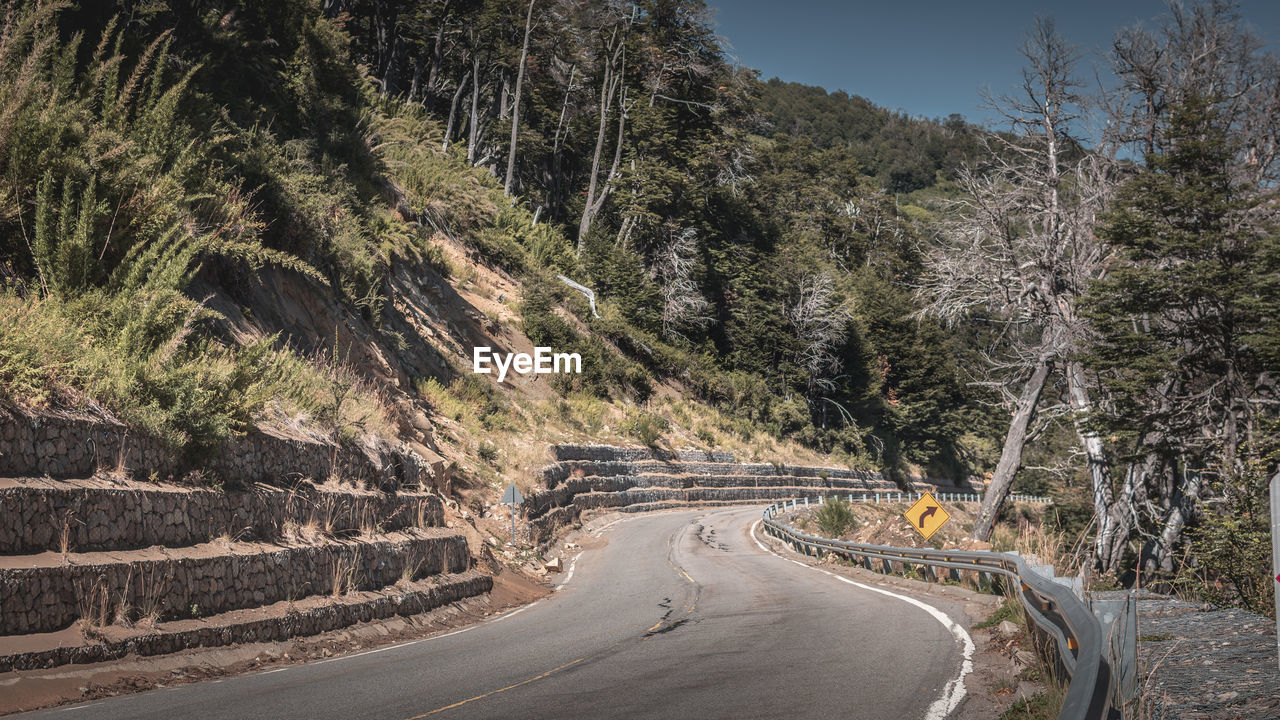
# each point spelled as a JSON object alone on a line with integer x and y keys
{"x": 928, "y": 58}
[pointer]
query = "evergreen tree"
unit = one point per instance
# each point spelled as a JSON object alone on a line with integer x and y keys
{"x": 1181, "y": 314}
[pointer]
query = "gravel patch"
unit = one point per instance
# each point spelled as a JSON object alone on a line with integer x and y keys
{"x": 1200, "y": 661}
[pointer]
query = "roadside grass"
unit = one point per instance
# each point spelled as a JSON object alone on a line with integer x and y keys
{"x": 1010, "y": 610}
{"x": 192, "y": 393}
{"x": 1044, "y": 705}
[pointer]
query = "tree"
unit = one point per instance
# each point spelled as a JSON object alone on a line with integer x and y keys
{"x": 1021, "y": 248}
{"x": 682, "y": 302}
{"x": 1177, "y": 315}
{"x": 1200, "y": 101}
{"x": 613, "y": 61}
{"x": 515, "y": 107}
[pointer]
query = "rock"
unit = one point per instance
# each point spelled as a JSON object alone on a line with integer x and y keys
{"x": 1008, "y": 629}
{"x": 554, "y": 565}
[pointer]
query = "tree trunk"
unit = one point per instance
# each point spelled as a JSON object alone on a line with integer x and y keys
{"x": 612, "y": 79}
{"x": 515, "y": 106}
{"x": 1011, "y": 455}
{"x": 473, "y": 137}
{"x": 1117, "y": 516}
{"x": 1114, "y": 514}
{"x": 453, "y": 108}
{"x": 437, "y": 57}
{"x": 1157, "y": 555}
{"x": 606, "y": 95}
{"x": 554, "y": 184}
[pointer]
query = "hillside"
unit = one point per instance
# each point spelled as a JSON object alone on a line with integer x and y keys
{"x": 311, "y": 263}
{"x": 228, "y": 228}
{"x": 904, "y": 154}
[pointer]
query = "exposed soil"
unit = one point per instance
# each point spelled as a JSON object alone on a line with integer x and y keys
{"x": 884, "y": 524}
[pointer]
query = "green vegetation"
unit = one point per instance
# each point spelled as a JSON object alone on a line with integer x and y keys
{"x": 171, "y": 185}
{"x": 1041, "y": 706}
{"x": 902, "y": 153}
{"x": 645, "y": 426}
{"x": 1010, "y": 610}
{"x": 835, "y": 518}
{"x": 209, "y": 144}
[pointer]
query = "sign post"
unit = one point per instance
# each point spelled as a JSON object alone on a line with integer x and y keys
{"x": 1275, "y": 552}
{"x": 927, "y": 515}
{"x": 512, "y": 496}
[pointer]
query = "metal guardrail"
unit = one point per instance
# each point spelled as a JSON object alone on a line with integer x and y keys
{"x": 1053, "y": 607}
{"x": 878, "y": 496}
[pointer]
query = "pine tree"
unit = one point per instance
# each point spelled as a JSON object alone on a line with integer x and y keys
{"x": 1178, "y": 315}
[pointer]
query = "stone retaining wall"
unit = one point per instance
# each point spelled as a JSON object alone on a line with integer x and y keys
{"x": 611, "y": 452}
{"x": 332, "y": 616}
{"x": 557, "y": 473}
{"x": 51, "y": 597}
{"x": 588, "y": 501}
{"x": 598, "y": 476}
{"x": 98, "y": 516}
{"x": 67, "y": 445}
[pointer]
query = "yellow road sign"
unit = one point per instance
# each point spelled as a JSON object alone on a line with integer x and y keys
{"x": 927, "y": 515}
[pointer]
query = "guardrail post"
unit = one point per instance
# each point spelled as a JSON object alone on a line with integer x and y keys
{"x": 887, "y": 567}
{"x": 1119, "y": 620}
{"x": 1275, "y": 550}
{"x": 953, "y": 574}
{"x": 985, "y": 581}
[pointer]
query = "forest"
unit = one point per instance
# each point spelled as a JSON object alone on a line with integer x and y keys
{"x": 1081, "y": 301}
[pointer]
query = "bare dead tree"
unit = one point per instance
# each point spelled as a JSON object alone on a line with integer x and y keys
{"x": 819, "y": 318}
{"x": 683, "y": 304}
{"x": 1021, "y": 247}
{"x": 612, "y": 85}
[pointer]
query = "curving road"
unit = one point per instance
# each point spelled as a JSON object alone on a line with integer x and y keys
{"x": 678, "y": 615}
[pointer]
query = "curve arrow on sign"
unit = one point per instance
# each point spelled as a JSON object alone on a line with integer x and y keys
{"x": 931, "y": 510}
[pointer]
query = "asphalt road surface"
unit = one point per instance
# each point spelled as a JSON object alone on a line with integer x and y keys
{"x": 679, "y": 615}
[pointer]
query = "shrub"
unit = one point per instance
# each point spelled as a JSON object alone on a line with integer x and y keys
{"x": 835, "y": 518}
{"x": 645, "y": 426}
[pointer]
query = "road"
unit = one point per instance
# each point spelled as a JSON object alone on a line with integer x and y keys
{"x": 677, "y": 615}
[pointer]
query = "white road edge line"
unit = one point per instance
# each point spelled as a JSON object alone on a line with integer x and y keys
{"x": 953, "y": 692}
{"x": 569, "y": 575}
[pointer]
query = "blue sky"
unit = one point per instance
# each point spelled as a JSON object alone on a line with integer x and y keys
{"x": 927, "y": 57}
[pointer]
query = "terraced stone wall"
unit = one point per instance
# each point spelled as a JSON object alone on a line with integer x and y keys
{"x": 49, "y": 597}
{"x": 66, "y": 445}
{"x": 101, "y": 514}
{"x": 602, "y": 476}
